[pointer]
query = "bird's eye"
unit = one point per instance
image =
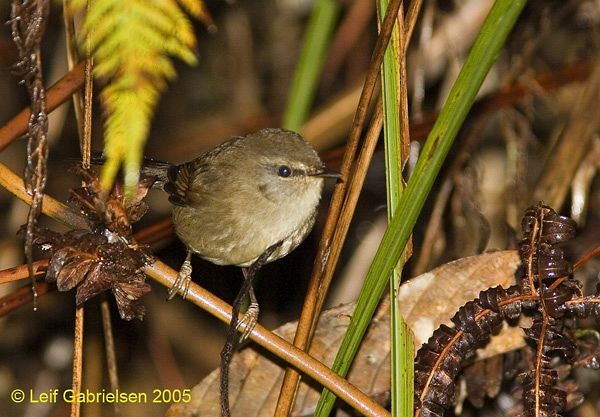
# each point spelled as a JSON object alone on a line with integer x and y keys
{"x": 284, "y": 171}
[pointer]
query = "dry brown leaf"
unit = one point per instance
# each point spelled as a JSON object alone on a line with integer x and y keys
{"x": 432, "y": 298}
{"x": 426, "y": 301}
{"x": 255, "y": 379}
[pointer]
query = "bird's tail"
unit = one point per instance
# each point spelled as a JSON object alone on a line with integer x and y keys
{"x": 150, "y": 168}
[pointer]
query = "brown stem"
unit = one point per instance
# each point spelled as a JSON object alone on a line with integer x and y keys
{"x": 51, "y": 207}
{"x": 77, "y": 360}
{"x": 586, "y": 257}
{"x": 20, "y": 297}
{"x": 274, "y": 344}
{"x": 109, "y": 348}
{"x": 60, "y": 92}
{"x": 210, "y": 303}
{"x": 343, "y": 202}
{"x": 21, "y": 271}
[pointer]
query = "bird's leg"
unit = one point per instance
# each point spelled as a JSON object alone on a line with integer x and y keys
{"x": 184, "y": 277}
{"x": 229, "y": 347}
{"x": 250, "y": 317}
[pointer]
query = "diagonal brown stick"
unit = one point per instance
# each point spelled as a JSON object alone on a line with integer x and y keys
{"x": 56, "y": 95}
{"x": 341, "y": 207}
{"x": 220, "y": 309}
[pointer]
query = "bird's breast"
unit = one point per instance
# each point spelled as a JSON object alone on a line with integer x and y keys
{"x": 237, "y": 228}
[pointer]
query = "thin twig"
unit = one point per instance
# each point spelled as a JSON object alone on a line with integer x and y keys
{"x": 56, "y": 95}
{"x": 77, "y": 360}
{"x": 86, "y": 141}
{"x": 51, "y": 207}
{"x": 20, "y": 297}
{"x": 316, "y": 283}
{"x": 406, "y": 27}
{"x": 214, "y": 306}
{"x": 21, "y": 272}
{"x": 586, "y": 257}
{"x": 276, "y": 345}
{"x": 340, "y": 211}
{"x": 72, "y": 59}
{"x": 288, "y": 389}
{"x": 109, "y": 348}
{"x": 28, "y": 21}
{"x": 303, "y": 334}
{"x": 411, "y": 21}
{"x": 88, "y": 90}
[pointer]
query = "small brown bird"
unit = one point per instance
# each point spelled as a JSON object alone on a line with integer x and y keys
{"x": 247, "y": 202}
{"x": 252, "y": 199}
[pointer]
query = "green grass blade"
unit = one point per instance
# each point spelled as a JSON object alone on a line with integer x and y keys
{"x": 483, "y": 54}
{"x": 318, "y": 34}
{"x": 402, "y": 358}
{"x": 400, "y": 334}
{"x": 390, "y": 85}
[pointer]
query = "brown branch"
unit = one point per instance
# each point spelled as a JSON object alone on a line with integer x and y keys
{"x": 274, "y": 344}
{"x": 342, "y": 203}
{"x": 512, "y": 94}
{"x": 208, "y": 302}
{"x": 56, "y": 95}
{"x": 21, "y": 272}
{"x": 51, "y": 207}
{"x": 62, "y": 90}
{"x": 109, "y": 348}
{"x": 77, "y": 360}
{"x": 20, "y": 297}
{"x": 155, "y": 232}
{"x": 584, "y": 258}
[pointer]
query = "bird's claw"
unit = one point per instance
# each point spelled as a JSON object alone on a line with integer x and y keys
{"x": 249, "y": 320}
{"x": 182, "y": 282}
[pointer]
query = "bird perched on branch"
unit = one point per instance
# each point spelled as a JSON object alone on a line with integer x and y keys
{"x": 248, "y": 196}
{"x": 247, "y": 202}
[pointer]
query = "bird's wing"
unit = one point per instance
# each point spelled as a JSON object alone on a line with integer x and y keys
{"x": 189, "y": 181}
{"x": 179, "y": 181}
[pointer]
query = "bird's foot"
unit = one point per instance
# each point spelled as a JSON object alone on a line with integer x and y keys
{"x": 249, "y": 320}
{"x": 182, "y": 282}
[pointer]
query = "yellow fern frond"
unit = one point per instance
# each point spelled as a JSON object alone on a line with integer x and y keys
{"x": 198, "y": 10}
{"x": 133, "y": 43}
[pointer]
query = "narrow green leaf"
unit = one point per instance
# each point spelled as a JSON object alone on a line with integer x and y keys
{"x": 400, "y": 335}
{"x": 316, "y": 41}
{"x": 483, "y": 54}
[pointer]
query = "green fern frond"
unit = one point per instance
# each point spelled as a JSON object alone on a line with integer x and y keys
{"x": 133, "y": 43}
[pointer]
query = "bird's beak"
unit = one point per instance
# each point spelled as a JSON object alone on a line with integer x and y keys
{"x": 328, "y": 173}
